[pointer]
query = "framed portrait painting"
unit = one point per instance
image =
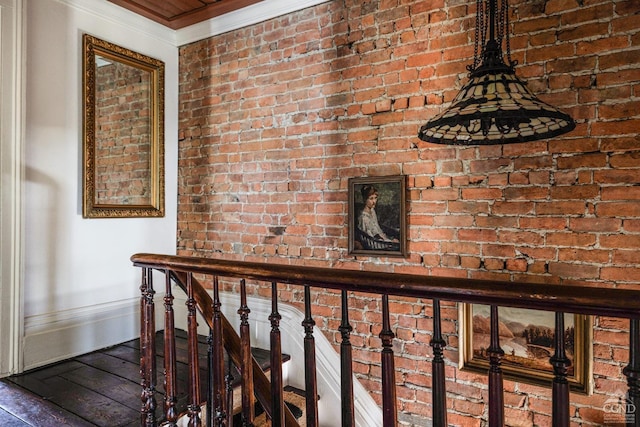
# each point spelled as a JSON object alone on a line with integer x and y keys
{"x": 527, "y": 339}
{"x": 377, "y": 216}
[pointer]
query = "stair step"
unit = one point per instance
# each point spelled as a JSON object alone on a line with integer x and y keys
{"x": 295, "y": 399}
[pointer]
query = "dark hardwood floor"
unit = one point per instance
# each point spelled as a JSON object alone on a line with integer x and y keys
{"x": 96, "y": 389}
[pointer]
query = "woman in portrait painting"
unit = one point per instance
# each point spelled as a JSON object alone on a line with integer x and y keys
{"x": 371, "y": 233}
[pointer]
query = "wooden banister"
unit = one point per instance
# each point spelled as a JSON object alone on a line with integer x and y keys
{"x": 621, "y": 303}
{"x": 541, "y": 296}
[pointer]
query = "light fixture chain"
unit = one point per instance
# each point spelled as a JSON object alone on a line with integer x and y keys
{"x": 480, "y": 35}
{"x": 484, "y": 28}
{"x": 476, "y": 40}
{"x": 507, "y": 42}
{"x": 501, "y": 25}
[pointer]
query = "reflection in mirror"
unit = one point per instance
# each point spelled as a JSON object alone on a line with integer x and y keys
{"x": 123, "y": 132}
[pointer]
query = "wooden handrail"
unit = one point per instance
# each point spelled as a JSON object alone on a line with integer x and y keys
{"x": 541, "y": 296}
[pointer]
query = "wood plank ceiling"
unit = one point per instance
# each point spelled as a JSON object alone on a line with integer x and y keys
{"x": 177, "y": 14}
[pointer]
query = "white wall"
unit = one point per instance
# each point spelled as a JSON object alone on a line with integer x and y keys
{"x": 80, "y": 289}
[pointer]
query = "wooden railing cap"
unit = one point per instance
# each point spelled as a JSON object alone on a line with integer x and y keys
{"x": 542, "y": 296}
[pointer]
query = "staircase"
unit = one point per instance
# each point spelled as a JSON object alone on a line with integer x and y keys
{"x": 232, "y": 378}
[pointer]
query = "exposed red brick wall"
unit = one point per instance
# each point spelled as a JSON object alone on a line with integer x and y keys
{"x": 123, "y": 135}
{"x": 275, "y": 118}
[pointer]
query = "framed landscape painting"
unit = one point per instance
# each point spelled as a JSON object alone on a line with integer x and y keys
{"x": 527, "y": 339}
{"x": 377, "y": 216}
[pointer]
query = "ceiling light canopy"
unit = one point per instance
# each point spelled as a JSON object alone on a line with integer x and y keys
{"x": 495, "y": 106}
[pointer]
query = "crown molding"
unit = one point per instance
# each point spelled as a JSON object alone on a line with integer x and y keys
{"x": 119, "y": 16}
{"x": 250, "y": 15}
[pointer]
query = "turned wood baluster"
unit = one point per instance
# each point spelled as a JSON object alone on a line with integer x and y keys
{"x": 277, "y": 410}
{"x": 560, "y": 388}
{"x": 219, "y": 390}
{"x": 632, "y": 372}
{"x": 346, "y": 368}
{"x": 496, "y": 389}
{"x": 228, "y": 381}
{"x": 389, "y": 410}
{"x": 147, "y": 350}
{"x": 437, "y": 370}
{"x": 246, "y": 366}
{"x": 170, "y": 370}
{"x": 193, "y": 407}
{"x": 310, "y": 380}
{"x": 210, "y": 412}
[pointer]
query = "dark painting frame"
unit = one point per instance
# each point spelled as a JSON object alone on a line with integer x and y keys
{"x": 531, "y": 369}
{"x": 389, "y": 215}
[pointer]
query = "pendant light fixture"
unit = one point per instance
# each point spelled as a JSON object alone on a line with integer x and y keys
{"x": 495, "y": 106}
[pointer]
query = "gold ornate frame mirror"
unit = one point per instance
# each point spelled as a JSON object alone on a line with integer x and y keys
{"x": 123, "y": 132}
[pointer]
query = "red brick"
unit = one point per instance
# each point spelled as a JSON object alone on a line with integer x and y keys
{"x": 275, "y": 118}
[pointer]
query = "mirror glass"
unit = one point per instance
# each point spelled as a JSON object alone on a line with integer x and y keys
{"x": 123, "y": 132}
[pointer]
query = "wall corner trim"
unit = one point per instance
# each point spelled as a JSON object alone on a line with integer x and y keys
{"x": 12, "y": 168}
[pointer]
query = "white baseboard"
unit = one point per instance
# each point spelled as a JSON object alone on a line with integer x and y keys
{"x": 367, "y": 412}
{"x": 61, "y": 335}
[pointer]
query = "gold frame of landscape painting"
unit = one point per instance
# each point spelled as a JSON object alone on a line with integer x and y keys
{"x": 526, "y": 337}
